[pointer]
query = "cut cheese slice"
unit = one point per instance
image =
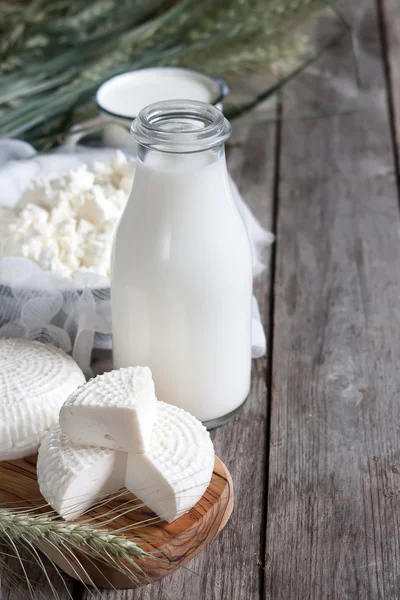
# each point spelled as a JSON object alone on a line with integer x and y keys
{"x": 115, "y": 410}
{"x": 175, "y": 471}
{"x": 35, "y": 380}
{"x": 73, "y": 478}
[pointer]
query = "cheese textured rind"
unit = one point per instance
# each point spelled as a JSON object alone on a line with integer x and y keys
{"x": 35, "y": 380}
{"x": 175, "y": 471}
{"x": 73, "y": 478}
{"x": 115, "y": 410}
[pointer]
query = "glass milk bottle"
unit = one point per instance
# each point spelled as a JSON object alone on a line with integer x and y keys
{"x": 181, "y": 275}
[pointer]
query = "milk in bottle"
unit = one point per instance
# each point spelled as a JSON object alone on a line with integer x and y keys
{"x": 181, "y": 276}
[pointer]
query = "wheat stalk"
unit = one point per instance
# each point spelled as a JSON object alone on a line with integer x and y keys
{"x": 35, "y": 529}
{"x": 54, "y": 57}
{"x": 24, "y": 527}
{"x": 22, "y": 530}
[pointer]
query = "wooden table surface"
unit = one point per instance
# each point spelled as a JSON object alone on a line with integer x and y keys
{"x": 315, "y": 453}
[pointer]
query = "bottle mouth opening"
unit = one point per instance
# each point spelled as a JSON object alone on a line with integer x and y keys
{"x": 180, "y": 126}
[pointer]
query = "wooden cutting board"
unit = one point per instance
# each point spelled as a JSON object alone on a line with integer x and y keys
{"x": 173, "y": 544}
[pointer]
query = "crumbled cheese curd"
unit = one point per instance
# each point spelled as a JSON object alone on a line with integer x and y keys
{"x": 66, "y": 223}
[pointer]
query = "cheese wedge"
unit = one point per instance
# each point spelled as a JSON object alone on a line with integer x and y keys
{"x": 35, "y": 380}
{"x": 115, "y": 410}
{"x": 175, "y": 470}
{"x": 73, "y": 478}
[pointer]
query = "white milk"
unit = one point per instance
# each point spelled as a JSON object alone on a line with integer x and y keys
{"x": 122, "y": 97}
{"x": 182, "y": 284}
{"x": 125, "y": 95}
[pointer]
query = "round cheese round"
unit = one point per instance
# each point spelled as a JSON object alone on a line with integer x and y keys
{"x": 174, "y": 471}
{"x": 73, "y": 478}
{"x": 35, "y": 381}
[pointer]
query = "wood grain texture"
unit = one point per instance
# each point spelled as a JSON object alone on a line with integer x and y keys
{"x": 232, "y": 566}
{"x": 334, "y": 485}
{"x": 52, "y": 585}
{"x": 173, "y": 544}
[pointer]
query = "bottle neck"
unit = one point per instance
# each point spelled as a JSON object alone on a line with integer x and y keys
{"x": 180, "y": 127}
{"x": 179, "y": 161}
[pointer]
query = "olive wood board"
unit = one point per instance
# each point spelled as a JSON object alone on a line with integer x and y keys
{"x": 171, "y": 544}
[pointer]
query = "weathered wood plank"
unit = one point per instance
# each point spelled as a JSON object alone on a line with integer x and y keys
{"x": 52, "y": 585}
{"x": 391, "y": 15}
{"x": 334, "y": 488}
{"x": 231, "y": 566}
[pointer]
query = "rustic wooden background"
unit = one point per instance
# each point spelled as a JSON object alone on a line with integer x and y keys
{"x": 315, "y": 454}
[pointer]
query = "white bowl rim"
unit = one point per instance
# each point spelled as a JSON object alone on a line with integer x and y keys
{"x": 223, "y": 87}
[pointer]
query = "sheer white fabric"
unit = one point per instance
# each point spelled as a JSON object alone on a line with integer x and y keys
{"x": 76, "y": 315}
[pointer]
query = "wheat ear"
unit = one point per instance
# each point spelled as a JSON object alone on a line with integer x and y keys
{"x": 35, "y": 529}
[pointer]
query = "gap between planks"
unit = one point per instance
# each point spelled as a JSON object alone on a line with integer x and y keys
{"x": 389, "y": 26}
{"x": 270, "y": 342}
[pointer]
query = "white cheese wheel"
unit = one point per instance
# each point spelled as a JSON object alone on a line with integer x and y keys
{"x": 72, "y": 478}
{"x": 35, "y": 380}
{"x": 176, "y": 469}
{"x": 115, "y": 410}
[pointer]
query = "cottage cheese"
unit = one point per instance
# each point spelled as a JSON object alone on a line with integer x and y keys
{"x": 66, "y": 224}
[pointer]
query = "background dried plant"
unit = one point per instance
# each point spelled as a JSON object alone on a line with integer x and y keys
{"x": 54, "y": 55}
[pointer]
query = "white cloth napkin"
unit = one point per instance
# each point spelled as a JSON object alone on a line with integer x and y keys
{"x": 19, "y": 164}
